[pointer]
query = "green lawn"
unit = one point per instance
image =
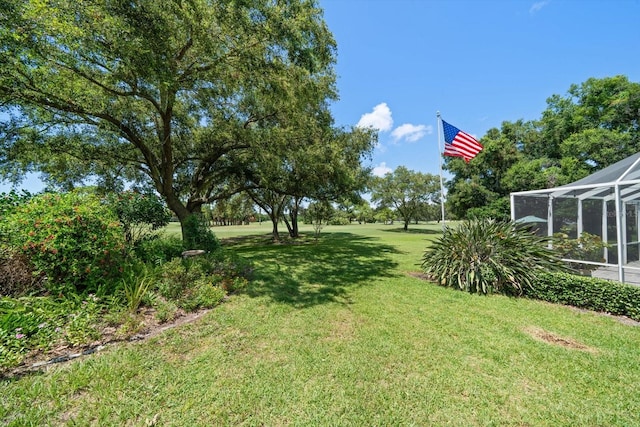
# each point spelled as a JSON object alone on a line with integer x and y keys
{"x": 336, "y": 332}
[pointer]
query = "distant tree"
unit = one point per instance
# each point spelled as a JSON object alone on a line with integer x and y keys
{"x": 385, "y": 215}
{"x": 319, "y": 214}
{"x": 467, "y": 195}
{"x": 593, "y": 126}
{"x": 236, "y": 210}
{"x": 273, "y": 203}
{"x": 406, "y": 191}
{"x": 348, "y": 208}
{"x": 428, "y": 212}
{"x": 324, "y": 165}
{"x": 363, "y": 212}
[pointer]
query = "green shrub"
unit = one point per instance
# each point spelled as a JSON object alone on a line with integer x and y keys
{"x": 587, "y": 247}
{"x": 82, "y": 325}
{"x": 139, "y": 214}
{"x": 11, "y": 200}
{"x": 165, "y": 310}
{"x": 235, "y": 284}
{"x": 202, "y": 294}
{"x": 12, "y": 348}
{"x": 135, "y": 289}
{"x": 159, "y": 250}
{"x": 73, "y": 239}
{"x": 587, "y": 292}
{"x": 176, "y": 278}
{"x": 224, "y": 264}
{"x": 198, "y": 235}
{"x": 202, "y": 282}
{"x": 13, "y": 280}
{"x": 484, "y": 256}
{"x": 339, "y": 220}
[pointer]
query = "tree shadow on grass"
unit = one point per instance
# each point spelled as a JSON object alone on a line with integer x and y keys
{"x": 306, "y": 272}
{"x": 411, "y": 230}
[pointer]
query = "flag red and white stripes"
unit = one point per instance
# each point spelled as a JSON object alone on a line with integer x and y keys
{"x": 459, "y": 143}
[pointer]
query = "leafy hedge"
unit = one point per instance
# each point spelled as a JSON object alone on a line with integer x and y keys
{"x": 587, "y": 292}
{"x": 72, "y": 238}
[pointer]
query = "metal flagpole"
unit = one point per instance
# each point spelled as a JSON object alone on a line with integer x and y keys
{"x": 440, "y": 158}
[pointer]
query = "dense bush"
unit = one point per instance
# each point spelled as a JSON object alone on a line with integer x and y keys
{"x": 30, "y": 323}
{"x": 177, "y": 277}
{"x": 341, "y": 219}
{"x": 485, "y": 256}
{"x": 8, "y": 204}
{"x": 499, "y": 209}
{"x": 66, "y": 247}
{"x": 11, "y": 200}
{"x": 139, "y": 214}
{"x": 198, "y": 235}
{"x": 203, "y": 281}
{"x": 203, "y": 293}
{"x": 73, "y": 239}
{"x": 158, "y": 250}
{"x": 587, "y": 292}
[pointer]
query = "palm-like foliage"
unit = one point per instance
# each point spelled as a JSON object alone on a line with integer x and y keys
{"x": 485, "y": 256}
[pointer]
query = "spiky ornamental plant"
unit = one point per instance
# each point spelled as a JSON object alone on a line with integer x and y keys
{"x": 487, "y": 256}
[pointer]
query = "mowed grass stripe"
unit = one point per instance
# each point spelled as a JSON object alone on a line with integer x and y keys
{"x": 336, "y": 332}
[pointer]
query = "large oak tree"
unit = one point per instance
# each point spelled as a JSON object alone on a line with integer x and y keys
{"x": 176, "y": 94}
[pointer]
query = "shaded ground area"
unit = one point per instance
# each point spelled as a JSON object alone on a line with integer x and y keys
{"x": 411, "y": 230}
{"x": 332, "y": 264}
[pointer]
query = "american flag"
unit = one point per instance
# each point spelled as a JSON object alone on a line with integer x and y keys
{"x": 459, "y": 143}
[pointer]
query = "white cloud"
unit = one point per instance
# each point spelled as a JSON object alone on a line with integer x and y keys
{"x": 381, "y": 169}
{"x": 411, "y": 133}
{"x": 379, "y": 118}
{"x": 538, "y": 5}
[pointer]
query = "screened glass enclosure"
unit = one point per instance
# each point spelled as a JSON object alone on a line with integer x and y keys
{"x": 604, "y": 204}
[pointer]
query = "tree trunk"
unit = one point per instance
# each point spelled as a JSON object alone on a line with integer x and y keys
{"x": 183, "y": 212}
{"x": 274, "y": 221}
{"x": 288, "y": 224}
{"x": 294, "y": 224}
{"x": 293, "y": 215}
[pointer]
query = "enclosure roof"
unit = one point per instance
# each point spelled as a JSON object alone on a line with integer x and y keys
{"x": 600, "y": 184}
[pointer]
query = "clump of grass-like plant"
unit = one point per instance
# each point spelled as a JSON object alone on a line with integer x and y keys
{"x": 135, "y": 289}
{"x": 487, "y": 256}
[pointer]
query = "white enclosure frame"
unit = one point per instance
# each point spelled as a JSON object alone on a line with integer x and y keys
{"x": 619, "y": 183}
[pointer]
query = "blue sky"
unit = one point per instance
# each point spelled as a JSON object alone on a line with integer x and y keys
{"x": 477, "y": 62}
